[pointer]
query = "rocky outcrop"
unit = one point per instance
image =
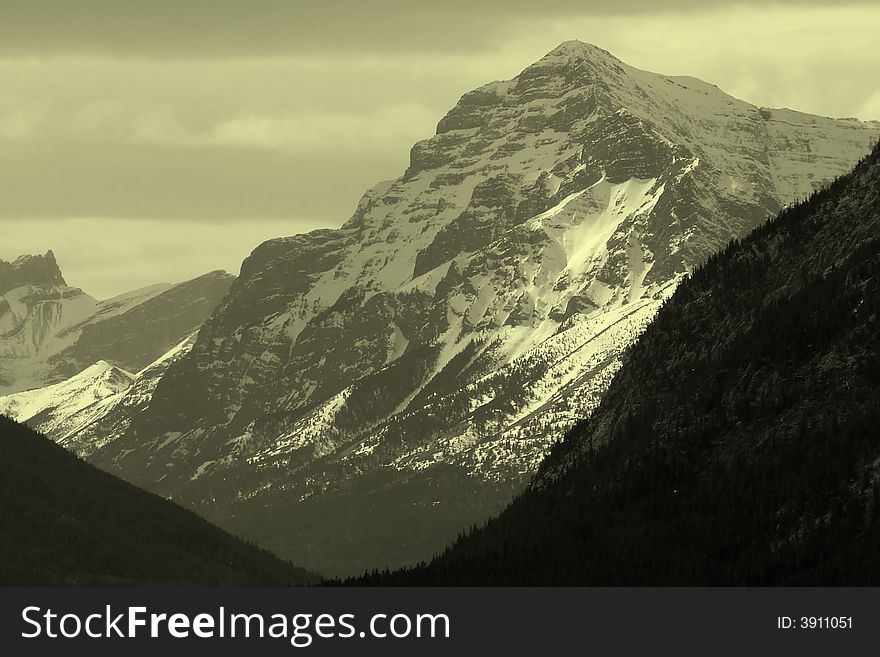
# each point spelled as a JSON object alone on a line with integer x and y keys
{"x": 40, "y": 270}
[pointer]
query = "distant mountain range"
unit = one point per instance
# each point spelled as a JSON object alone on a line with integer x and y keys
{"x": 738, "y": 443}
{"x": 50, "y": 331}
{"x": 79, "y": 369}
{"x": 65, "y": 522}
{"x": 94, "y": 407}
{"x": 361, "y": 395}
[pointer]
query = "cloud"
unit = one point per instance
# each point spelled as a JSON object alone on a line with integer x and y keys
{"x": 353, "y": 102}
{"x": 218, "y": 184}
{"x": 214, "y": 140}
{"x": 169, "y": 28}
{"x": 217, "y": 139}
{"x": 16, "y": 125}
{"x": 871, "y": 107}
{"x": 305, "y": 132}
{"x": 162, "y": 116}
{"x": 206, "y": 28}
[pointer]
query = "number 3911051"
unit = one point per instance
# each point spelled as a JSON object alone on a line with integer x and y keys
{"x": 815, "y": 622}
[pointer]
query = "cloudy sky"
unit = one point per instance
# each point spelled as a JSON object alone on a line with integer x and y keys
{"x": 153, "y": 141}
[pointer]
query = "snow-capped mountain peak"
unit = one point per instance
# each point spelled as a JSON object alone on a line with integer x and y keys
{"x": 94, "y": 407}
{"x": 66, "y": 408}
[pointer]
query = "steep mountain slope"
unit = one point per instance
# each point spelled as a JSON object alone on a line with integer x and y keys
{"x": 738, "y": 444}
{"x": 412, "y": 367}
{"x": 94, "y": 407}
{"x": 65, "y": 522}
{"x": 50, "y": 331}
{"x": 30, "y": 270}
{"x": 63, "y": 409}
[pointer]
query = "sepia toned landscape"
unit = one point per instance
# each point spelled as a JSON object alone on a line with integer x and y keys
{"x": 588, "y": 323}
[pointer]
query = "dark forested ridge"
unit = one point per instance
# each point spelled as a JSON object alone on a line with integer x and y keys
{"x": 739, "y": 443}
{"x": 64, "y": 522}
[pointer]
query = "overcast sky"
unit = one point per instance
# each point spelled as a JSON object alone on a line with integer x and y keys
{"x": 153, "y": 141}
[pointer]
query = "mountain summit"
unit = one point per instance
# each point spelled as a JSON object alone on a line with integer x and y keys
{"x": 39, "y": 270}
{"x": 383, "y": 385}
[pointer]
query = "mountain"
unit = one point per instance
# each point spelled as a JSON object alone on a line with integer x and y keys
{"x": 64, "y": 409}
{"x": 65, "y": 522}
{"x": 50, "y": 331}
{"x": 94, "y": 407}
{"x": 738, "y": 442}
{"x": 383, "y": 385}
{"x": 30, "y": 270}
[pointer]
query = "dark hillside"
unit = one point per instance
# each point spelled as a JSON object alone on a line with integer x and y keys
{"x": 64, "y": 522}
{"x": 739, "y": 443}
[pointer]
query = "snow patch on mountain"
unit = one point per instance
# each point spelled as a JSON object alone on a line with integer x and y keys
{"x": 94, "y": 407}
{"x": 65, "y": 408}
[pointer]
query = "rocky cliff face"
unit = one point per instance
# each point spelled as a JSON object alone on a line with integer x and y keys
{"x": 405, "y": 373}
{"x": 30, "y": 270}
{"x": 50, "y": 331}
